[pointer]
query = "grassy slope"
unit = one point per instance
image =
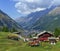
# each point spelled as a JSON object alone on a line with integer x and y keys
{"x": 6, "y": 44}
{"x": 11, "y": 45}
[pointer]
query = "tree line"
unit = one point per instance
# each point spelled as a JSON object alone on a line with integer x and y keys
{"x": 6, "y": 29}
{"x": 57, "y": 32}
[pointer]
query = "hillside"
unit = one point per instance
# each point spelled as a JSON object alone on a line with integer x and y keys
{"x": 48, "y": 22}
{"x": 6, "y": 21}
{"x": 30, "y": 19}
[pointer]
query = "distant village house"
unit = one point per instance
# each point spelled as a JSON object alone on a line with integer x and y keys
{"x": 43, "y": 36}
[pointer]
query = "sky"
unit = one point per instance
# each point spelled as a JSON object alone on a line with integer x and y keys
{"x": 18, "y": 8}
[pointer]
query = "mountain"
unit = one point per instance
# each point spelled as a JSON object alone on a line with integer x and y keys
{"x": 6, "y": 21}
{"x": 48, "y": 22}
{"x": 30, "y": 19}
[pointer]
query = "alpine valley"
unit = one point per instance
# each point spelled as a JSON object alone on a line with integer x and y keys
{"x": 48, "y": 19}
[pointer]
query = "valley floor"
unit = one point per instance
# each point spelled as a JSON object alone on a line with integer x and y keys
{"x": 11, "y": 45}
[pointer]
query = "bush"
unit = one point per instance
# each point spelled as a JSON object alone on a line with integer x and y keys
{"x": 57, "y": 32}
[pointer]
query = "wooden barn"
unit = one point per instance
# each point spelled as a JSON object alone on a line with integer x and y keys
{"x": 43, "y": 36}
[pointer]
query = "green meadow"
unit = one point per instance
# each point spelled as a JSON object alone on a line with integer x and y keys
{"x": 12, "y": 45}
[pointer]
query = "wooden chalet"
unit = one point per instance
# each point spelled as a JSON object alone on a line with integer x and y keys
{"x": 43, "y": 36}
{"x": 52, "y": 40}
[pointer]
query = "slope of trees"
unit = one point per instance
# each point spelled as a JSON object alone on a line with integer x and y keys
{"x": 6, "y": 29}
{"x": 57, "y": 32}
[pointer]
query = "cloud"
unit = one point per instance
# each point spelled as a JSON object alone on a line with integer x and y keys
{"x": 56, "y": 2}
{"x": 28, "y": 6}
{"x": 27, "y": 9}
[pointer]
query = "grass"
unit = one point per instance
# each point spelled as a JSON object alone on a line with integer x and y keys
{"x": 6, "y": 43}
{"x": 12, "y": 45}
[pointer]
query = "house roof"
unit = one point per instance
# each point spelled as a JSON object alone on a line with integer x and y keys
{"x": 43, "y": 33}
{"x": 35, "y": 37}
{"x": 51, "y": 38}
{"x": 16, "y": 32}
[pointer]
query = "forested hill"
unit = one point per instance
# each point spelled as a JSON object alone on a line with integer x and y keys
{"x": 48, "y": 22}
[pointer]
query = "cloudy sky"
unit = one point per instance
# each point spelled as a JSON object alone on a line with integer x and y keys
{"x": 17, "y": 8}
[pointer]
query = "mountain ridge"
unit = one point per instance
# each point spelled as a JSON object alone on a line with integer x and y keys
{"x": 49, "y": 21}
{"x": 30, "y": 19}
{"x": 7, "y": 21}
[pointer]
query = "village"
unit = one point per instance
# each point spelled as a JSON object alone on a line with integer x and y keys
{"x": 45, "y": 36}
